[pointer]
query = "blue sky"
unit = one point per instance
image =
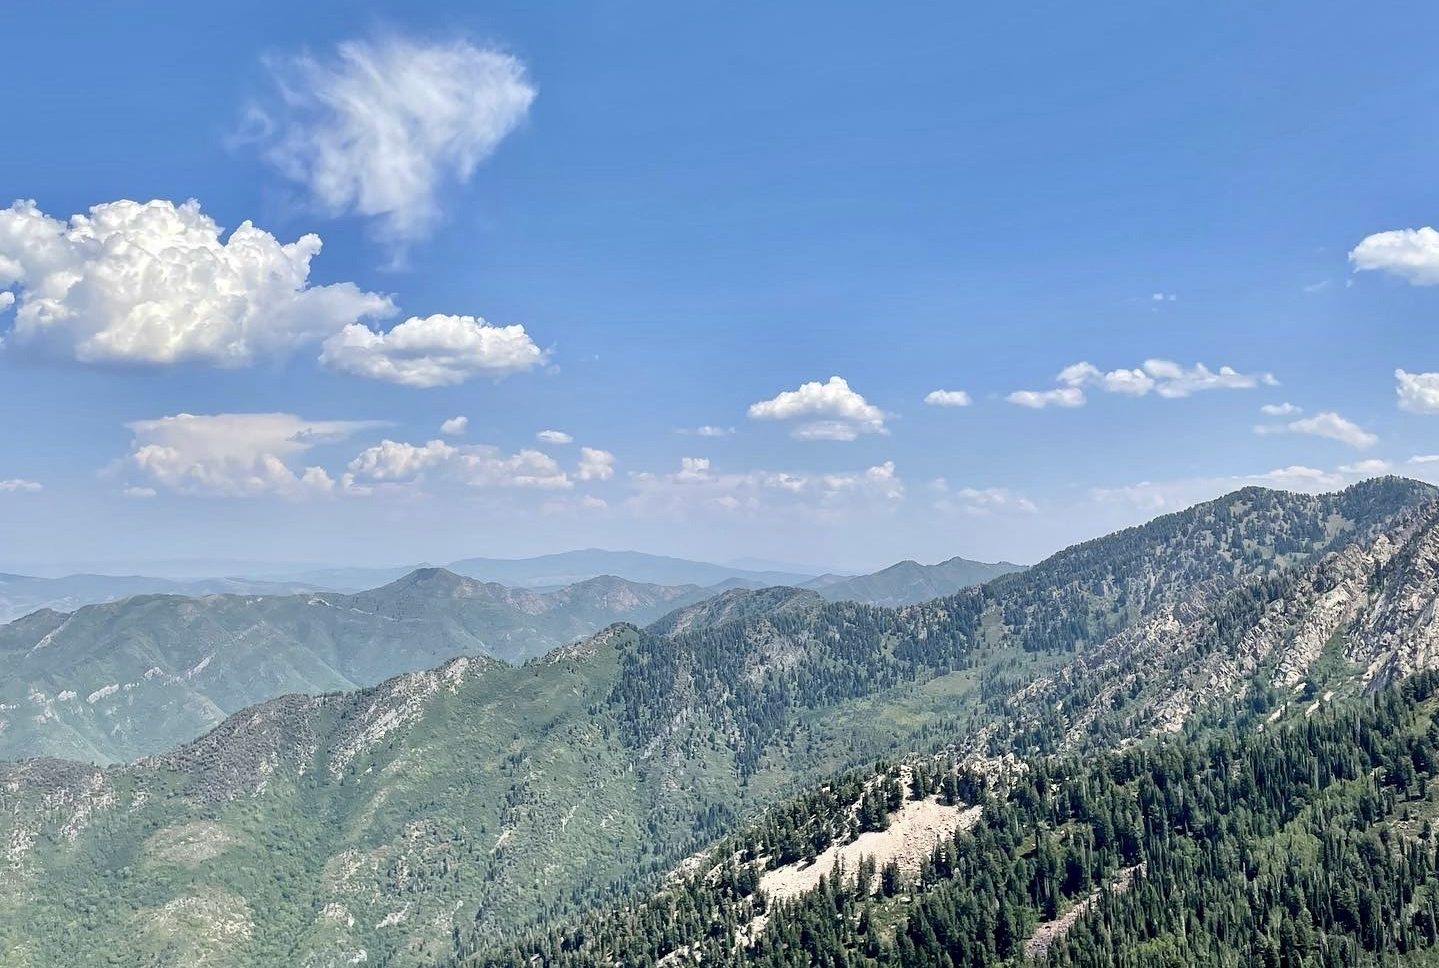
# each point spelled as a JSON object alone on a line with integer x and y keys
{"x": 693, "y": 213}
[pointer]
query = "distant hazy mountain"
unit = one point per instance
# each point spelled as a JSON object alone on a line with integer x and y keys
{"x": 572, "y": 566}
{"x": 909, "y": 582}
{"x": 113, "y": 681}
{"x": 23, "y": 594}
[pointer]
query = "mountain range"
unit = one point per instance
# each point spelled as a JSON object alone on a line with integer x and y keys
{"x": 113, "y": 681}
{"x": 444, "y": 814}
{"x": 121, "y": 679}
{"x": 22, "y": 594}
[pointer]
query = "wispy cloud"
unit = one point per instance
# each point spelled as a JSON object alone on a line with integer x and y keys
{"x": 380, "y": 127}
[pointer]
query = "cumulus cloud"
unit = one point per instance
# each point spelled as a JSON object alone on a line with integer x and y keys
{"x": 1418, "y": 392}
{"x": 595, "y": 464}
{"x": 1164, "y": 378}
{"x": 235, "y": 454}
{"x": 698, "y": 487}
{"x": 1135, "y": 382}
{"x": 455, "y": 426}
{"x": 432, "y": 351}
{"x": 1327, "y": 424}
{"x": 1280, "y": 409}
{"x": 1039, "y": 399}
{"x": 489, "y": 467}
{"x": 1410, "y": 254}
{"x": 19, "y": 485}
{"x": 825, "y": 411}
{"x": 477, "y": 465}
{"x": 393, "y": 460}
{"x": 947, "y": 398}
{"x": 554, "y": 437}
{"x": 155, "y": 283}
{"x": 380, "y": 128}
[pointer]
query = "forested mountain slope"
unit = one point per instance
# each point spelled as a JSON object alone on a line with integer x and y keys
{"x": 1308, "y": 844}
{"x": 468, "y": 802}
{"x": 909, "y": 582}
{"x": 114, "y": 681}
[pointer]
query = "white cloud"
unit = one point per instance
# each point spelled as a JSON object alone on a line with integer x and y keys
{"x": 455, "y": 426}
{"x": 139, "y": 493}
{"x": 1295, "y": 477}
{"x": 1366, "y": 468}
{"x": 595, "y": 465}
{"x": 154, "y": 283}
{"x": 1130, "y": 382}
{"x": 979, "y": 501}
{"x": 828, "y": 411}
{"x": 947, "y": 398}
{"x": 1173, "y": 380}
{"x": 698, "y": 487}
{"x": 708, "y": 430}
{"x": 1280, "y": 409}
{"x": 19, "y": 485}
{"x": 379, "y": 129}
{"x": 432, "y": 351}
{"x": 393, "y": 460}
{"x": 1410, "y": 254}
{"x": 1039, "y": 399}
{"x": 1418, "y": 392}
{"x": 477, "y": 465}
{"x": 693, "y": 469}
{"x": 7, "y": 299}
{"x": 554, "y": 437}
{"x": 489, "y": 467}
{"x": 1163, "y": 377}
{"x": 235, "y": 454}
{"x": 1327, "y": 424}
{"x": 1161, "y": 297}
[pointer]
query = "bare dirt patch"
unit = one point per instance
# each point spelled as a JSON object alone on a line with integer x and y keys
{"x": 914, "y": 831}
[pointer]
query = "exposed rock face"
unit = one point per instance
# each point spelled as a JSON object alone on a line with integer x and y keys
{"x": 1371, "y": 603}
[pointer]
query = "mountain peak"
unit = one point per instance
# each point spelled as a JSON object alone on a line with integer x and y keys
{"x": 432, "y": 578}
